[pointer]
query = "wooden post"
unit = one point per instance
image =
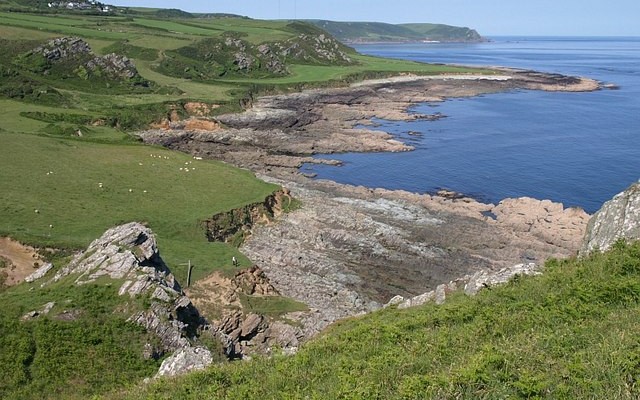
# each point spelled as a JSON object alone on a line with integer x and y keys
{"x": 189, "y": 274}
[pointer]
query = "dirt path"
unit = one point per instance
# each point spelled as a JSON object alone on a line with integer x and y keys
{"x": 22, "y": 260}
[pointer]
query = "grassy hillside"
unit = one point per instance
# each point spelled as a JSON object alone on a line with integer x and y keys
{"x": 363, "y": 32}
{"x": 444, "y": 33}
{"x": 571, "y": 333}
{"x": 72, "y": 355}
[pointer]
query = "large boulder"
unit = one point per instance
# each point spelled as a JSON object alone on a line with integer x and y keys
{"x": 619, "y": 218}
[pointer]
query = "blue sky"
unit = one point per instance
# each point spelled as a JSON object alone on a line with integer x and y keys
{"x": 489, "y": 17}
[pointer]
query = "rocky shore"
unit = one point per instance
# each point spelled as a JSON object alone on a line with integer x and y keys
{"x": 277, "y": 134}
{"x": 350, "y": 250}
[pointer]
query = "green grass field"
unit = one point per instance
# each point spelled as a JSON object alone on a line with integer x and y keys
{"x": 60, "y": 178}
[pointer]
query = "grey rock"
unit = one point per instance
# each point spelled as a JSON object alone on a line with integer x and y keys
{"x": 185, "y": 360}
{"x": 63, "y": 48}
{"x": 113, "y": 65}
{"x": 484, "y": 279}
{"x": 441, "y": 294}
{"x": 395, "y": 300}
{"x": 472, "y": 285}
{"x": 40, "y": 272}
{"x": 43, "y": 311}
{"x": 130, "y": 252}
{"x": 619, "y": 218}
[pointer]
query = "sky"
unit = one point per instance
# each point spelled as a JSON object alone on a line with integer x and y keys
{"x": 488, "y": 17}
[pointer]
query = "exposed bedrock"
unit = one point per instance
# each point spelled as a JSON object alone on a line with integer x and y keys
{"x": 350, "y": 249}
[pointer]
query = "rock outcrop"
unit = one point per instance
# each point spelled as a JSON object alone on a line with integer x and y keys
{"x": 129, "y": 254}
{"x": 619, "y": 218}
{"x": 63, "y": 48}
{"x": 185, "y": 360}
{"x": 471, "y": 284}
{"x": 81, "y": 61}
{"x": 244, "y": 333}
{"x": 40, "y": 273}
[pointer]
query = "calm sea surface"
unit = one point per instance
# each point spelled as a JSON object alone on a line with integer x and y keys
{"x": 576, "y": 148}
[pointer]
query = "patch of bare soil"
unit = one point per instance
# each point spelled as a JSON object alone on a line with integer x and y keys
{"x": 22, "y": 260}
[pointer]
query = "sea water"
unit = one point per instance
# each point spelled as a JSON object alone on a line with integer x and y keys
{"x": 576, "y": 148}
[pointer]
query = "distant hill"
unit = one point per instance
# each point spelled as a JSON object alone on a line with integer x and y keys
{"x": 368, "y": 32}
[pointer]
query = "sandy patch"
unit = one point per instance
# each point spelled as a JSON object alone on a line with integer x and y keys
{"x": 23, "y": 260}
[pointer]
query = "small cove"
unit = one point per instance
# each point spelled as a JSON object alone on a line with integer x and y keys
{"x": 576, "y": 148}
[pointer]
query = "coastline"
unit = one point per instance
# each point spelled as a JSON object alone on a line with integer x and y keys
{"x": 349, "y": 250}
{"x": 279, "y": 134}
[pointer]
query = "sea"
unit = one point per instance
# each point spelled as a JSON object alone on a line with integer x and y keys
{"x": 579, "y": 149}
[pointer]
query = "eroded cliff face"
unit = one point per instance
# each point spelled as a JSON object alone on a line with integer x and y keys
{"x": 619, "y": 218}
{"x": 235, "y": 226}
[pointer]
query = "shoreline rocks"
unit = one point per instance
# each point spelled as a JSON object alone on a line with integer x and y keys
{"x": 279, "y": 133}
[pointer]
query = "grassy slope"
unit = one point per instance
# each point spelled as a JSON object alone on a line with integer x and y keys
{"x": 54, "y": 358}
{"x": 570, "y": 333}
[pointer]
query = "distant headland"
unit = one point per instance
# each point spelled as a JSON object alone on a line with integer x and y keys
{"x": 379, "y": 32}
